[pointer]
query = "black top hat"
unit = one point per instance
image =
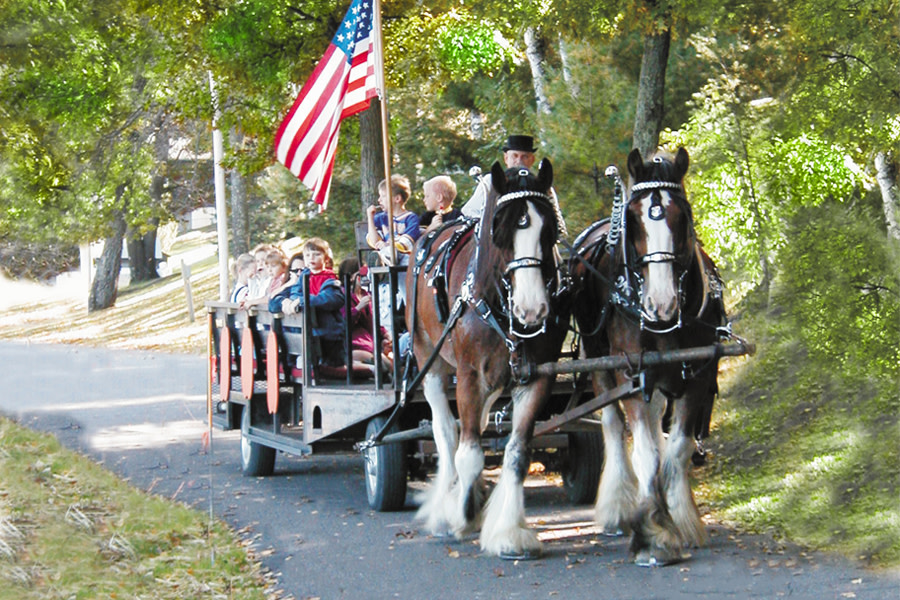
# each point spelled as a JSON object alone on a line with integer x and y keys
{"x": 520, "y": 143}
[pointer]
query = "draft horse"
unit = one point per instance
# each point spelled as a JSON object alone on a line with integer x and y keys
{"x": 507, "y": 311}
{"x": 659, "y": 291}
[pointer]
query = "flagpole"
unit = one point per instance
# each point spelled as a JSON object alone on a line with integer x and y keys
{"x": 385, "y": 138}
{"x": 219, "y": 179}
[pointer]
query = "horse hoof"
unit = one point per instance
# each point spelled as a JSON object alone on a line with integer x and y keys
{"x": 644, "y": 558}
{"x": 443, "y": 535}
{"x": 526, "y": 554}
{"x": 613, "y": 532}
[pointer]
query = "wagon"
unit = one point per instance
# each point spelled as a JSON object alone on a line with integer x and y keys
{"x": 265, "y": 380}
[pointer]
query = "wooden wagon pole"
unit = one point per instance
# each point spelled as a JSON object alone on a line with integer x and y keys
{"x": 645, "y": 359}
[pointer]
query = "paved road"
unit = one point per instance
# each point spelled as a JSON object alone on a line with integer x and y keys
{"x": 142, "y": 415}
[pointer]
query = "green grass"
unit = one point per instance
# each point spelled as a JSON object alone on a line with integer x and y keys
{"x": 71, "y": 529}
{"x": 809, "y": 451}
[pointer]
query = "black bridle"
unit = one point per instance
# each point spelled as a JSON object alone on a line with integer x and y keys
{"x": 544, "y": 204}
{"x": 630, "y": 284}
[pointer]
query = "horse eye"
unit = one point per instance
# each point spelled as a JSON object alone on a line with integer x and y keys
{"x": 524, "y": 221}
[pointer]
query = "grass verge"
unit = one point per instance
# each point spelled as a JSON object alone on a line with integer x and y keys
{"x": 71, "y": 529}
{"x": 808, "y": 452}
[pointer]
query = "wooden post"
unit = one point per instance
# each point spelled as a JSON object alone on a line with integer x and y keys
{"x": 186, "y": 277}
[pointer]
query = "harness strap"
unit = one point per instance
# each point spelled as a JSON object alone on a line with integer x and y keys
{"x": 410, "y": 386}
{"x": 487, "y": 315}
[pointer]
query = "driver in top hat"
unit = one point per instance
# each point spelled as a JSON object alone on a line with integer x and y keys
{"x": 518, "y": 151}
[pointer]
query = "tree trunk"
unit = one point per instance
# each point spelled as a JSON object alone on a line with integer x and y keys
{"x": 651, "y": 93}
{"x": 536, "y": 51}
{"x": 476, "y": 124}
{"x": 142, "y": 253}
{"x": 886, "y": 174}
{"x": 566, "y": 68}
{"x": 240, "y": 216}
{"x": 371, "y": 160}
{"x": 142, "y": 246}
{"x": 106, "y": 280}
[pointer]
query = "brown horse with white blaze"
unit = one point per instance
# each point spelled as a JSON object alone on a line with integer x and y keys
{"x": 660, "y": 291}
{"x": 503, "y": 283}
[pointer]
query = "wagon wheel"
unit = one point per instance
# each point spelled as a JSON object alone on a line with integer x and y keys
{"x": 581, "y": 473}
{"x": 386, "y": 470}
{"x": 256, "y": 460}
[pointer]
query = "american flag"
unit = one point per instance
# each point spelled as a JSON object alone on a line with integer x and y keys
{"x": 342, "y": 84}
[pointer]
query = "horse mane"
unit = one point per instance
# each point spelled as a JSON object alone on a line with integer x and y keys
{"x": 487, "y": 268}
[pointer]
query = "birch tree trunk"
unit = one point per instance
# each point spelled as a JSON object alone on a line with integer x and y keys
{"x": 886, "y": 174}
{"x": 566, "y": 68}
{"x": 649, "y": 109}
{"x": 536, "y": 50}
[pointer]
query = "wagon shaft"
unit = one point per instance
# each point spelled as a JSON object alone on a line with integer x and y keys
{"x": 645, "y": 359}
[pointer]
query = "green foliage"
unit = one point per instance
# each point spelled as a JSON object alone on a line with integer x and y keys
{"x": 847, "y": 58}
{"x": 841, "y": 285}
{"x": 467, "y": 46}
{"x": 78, "y": 91}
{"x": 746, "y": 182}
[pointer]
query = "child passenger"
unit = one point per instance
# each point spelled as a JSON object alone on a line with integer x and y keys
{"x": 244, "y": 267}
{"x": 440, "y": 192}
{"x": 362, "y": 341}
{"x": 406, "y": 223}
{"x": 325, "y": 296}
{"x": 276, "y": 270}
{"x": 406, "y": 231}
{"x": 259, "y": 281}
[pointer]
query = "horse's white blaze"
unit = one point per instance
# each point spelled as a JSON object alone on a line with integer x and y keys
{"x": 437, "y": 503}
{"x": 529, "y": 298}
{"x": 660, "y": 293}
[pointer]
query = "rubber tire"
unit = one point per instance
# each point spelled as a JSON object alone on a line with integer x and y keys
{"x": 385, "y": 470}
{"x": 256, "y": 460}
{"x": 584, "y": 462}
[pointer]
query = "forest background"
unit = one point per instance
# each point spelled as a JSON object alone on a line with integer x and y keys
{"x": 789, "y": 112}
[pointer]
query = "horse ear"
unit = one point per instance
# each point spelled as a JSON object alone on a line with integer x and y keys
{"x": 635, "y": 163}
{"x": 681, "y": 162}
{"x": 545, "y": 174}
{"x": 498, "y": 178}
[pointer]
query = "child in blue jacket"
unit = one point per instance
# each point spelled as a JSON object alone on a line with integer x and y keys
{"x": 325, "y": 296}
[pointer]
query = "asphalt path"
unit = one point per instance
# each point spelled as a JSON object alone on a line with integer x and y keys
{"x": 142, "y": 415}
